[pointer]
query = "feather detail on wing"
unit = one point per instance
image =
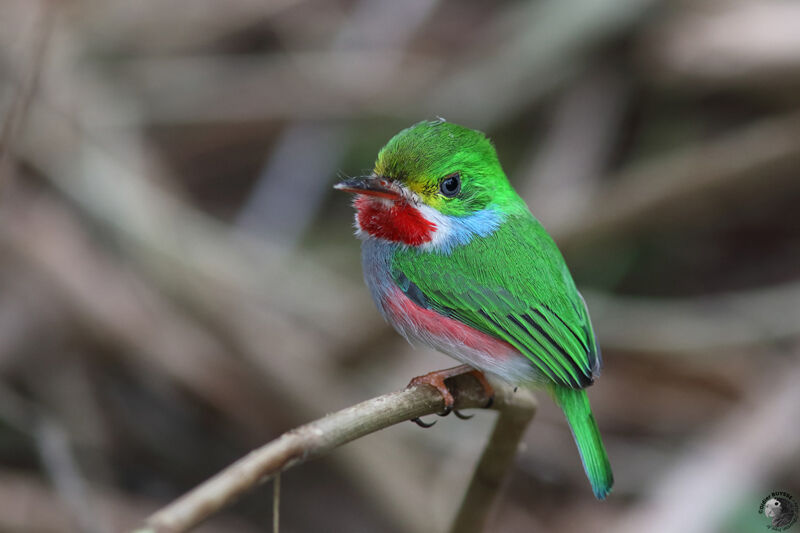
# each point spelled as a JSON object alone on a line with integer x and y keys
{"x": 514, "y": 286}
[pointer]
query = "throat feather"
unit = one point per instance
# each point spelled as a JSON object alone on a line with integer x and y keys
{"x": 397, "y": 221}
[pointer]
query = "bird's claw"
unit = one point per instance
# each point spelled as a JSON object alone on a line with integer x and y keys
{"x": 418, "y": 421}
{"x": 437, "y": 381}
{"x": 447, "y": 410}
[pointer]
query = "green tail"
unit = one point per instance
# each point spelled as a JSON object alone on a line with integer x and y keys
{"x": 576, "y": 407}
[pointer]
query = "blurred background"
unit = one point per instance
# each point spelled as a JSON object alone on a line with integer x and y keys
{"x": 180, "y": 284}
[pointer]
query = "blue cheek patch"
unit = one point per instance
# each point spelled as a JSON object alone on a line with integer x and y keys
{"x": 463, "y": 229}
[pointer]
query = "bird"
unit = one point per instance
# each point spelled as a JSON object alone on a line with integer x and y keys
{"x": 780, "y": 510}
{"x": 454, "y": 260}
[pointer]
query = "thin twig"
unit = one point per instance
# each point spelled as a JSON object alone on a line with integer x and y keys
{"x": 324, "y": 435}
{"x": 276, "y": 504}
{"x": 27, "y": 87}
{"x": 61, "y": 466}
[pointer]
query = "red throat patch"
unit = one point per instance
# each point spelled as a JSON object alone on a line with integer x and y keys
{"x": 397, "y": 221}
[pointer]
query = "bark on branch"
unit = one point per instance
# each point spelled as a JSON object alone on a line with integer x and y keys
{"x": 322, "y": 436}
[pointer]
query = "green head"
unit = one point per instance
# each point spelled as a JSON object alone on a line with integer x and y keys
{"x": 447, "y": 167}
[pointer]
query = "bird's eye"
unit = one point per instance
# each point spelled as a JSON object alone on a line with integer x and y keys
{"x": 450, "y": 185}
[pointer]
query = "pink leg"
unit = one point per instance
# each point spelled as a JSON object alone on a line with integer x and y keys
{"x": 437, "y": 381}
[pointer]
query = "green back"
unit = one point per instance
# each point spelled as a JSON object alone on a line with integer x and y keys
{"x": 515, "y": 286}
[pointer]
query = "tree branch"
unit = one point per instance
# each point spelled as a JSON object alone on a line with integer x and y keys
{"x": 495, "y": 462}
{"x": 324, "y": 435}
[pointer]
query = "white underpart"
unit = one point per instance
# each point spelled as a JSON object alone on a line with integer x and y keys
{"x": 442, "y": 231}
{"x": 507, "y": 364}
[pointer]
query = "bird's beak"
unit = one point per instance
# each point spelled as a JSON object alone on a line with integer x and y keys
{"x": 370, "y": 186}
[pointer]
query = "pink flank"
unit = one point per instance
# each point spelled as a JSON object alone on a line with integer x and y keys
{"x": 414, "y": 317}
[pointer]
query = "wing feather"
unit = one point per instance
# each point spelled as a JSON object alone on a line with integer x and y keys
{"x": 515, "y": 286}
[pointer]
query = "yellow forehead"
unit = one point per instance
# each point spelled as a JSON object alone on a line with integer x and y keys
{"x": 427, "y": 191}
{"x": 419, "y": 187}
{"x": 421, "y": 184}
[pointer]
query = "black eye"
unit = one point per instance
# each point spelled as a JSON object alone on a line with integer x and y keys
{"x": 451, "y": 185}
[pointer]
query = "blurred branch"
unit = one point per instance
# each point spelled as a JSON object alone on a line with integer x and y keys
{"x": 662, "y": 188}
{"x": 132, "y": 25}
{"x": 288, "y": 193}
{"x": 26, "y": 311}
{"x": 28, "y": 505}
{"x": 543, "y": 43}
{"x": 26, "y": 87}
{"x": 296, "y": 85}
{"x": 562, "y": 178}
{"x": 744, "y": 43}
{"x": 95, "y": 164}
{"x": 710, "y": 325}
{"x": 104, "y": 297}
{"x": 495, "y": 462}
{"x": 736, "y": 458}
{"x": 180, "y": 248}
{"x": 62, "y": 468}
{"x": 109, "y": 300}
{"x": 324, "y": 435}
{"x": 281, "y": 312}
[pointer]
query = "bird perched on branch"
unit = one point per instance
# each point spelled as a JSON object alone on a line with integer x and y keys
{"x": 455, "y": 260}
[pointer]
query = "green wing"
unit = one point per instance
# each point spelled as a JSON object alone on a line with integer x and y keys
{"x": 515, "y": 286}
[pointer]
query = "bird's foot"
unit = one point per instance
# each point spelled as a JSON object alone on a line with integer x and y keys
{"x": 437, "y": 381}
{"x": 425, "y": 425}
{"x": 487, "y": 387}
